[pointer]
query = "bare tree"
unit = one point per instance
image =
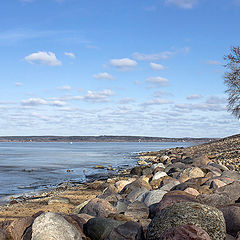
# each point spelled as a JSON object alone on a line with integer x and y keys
{"x": 232, "y": 80}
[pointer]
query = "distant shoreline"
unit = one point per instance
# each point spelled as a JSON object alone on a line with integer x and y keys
{"x": 72, "y": 139}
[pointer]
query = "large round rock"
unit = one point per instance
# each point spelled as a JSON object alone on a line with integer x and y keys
{"x": 208, "y": 218}
{"x": 50, "y": 226}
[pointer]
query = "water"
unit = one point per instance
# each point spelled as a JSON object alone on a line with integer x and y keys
{"x": 30, "y": 167}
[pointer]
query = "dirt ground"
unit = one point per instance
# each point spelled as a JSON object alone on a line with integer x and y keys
{"x": 22, "y": 208}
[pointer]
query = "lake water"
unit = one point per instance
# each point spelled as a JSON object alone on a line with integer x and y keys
{"x": 30, "y": 167}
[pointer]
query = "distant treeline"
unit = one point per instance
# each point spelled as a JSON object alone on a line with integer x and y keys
{"x": 99, "y": 139}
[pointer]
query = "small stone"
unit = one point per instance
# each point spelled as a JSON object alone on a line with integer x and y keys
{"x": 99, "y": 167}
{"x": 192, "y": 191}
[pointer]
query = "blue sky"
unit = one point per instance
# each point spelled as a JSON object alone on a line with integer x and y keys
{"x": 116, "y": 67}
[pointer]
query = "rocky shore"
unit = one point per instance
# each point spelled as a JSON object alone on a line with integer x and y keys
{"x": 173, "y": 194}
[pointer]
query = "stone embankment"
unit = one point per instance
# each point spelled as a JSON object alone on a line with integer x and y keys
{"x": 173, "y": 194}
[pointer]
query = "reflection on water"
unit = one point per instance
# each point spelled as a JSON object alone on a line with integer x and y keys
{"x": 28, "y": 167}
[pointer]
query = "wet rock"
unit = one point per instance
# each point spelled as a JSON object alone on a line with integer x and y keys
{"x": 53, "y": 226}
{"x": 137, "y": 210}
{"x": 54, "y": 200}
{"x": 215, "y": 199}
{"x": 208, "y": 218}
{"x": 129, "y": 231}
{"x": 98, "y": 207}
{"x": 154, "y": 196}
{"x": 189, "y": 232}
{"x": 99, "y": 228}
{"x": 231, "y": 214}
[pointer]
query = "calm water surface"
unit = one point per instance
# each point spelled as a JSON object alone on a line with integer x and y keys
{"x": 29, "y": 167}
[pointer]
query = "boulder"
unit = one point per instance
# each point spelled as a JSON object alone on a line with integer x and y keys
{"x": 121, "y": 205}
{"x": 188, "y": 231}
{"x": 137, "y": 210}
{"x": 122, "y": 183}
{"x": 129, "y": 231}
{"x": 137, "y": 194}
{"x": 167, "y": 187}
{"x": 154, "y": 196}
{"x": 135, "y": 184}
{"x": 232, "y": 190}
{"x": 53, "y": 226}
{"x": 214, "y": 199}
{"x": 171, "y": 198}
{"x": 17, "y": 227}
{"x": 192, "y": 191}
{"x": 192, "y": 172}
{"x": 157, "y": 165}
{"x": 208, "y": 218}
{"x": 231, "y": 214}
{"x": 158, "y": 175}
{"x": 98, "y": 208}
{"x": 136, "y": 171}
{"x": 99, "y": 228}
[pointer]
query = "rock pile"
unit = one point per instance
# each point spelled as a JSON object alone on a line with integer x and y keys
{"x": 171, "y": 195}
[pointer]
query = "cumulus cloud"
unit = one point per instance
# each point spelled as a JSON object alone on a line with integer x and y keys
{"x": 194, "y": 96}
{"x": 152, "y": 57}
{"x": 126, "y": 100}
{"x": 123, "y": 63}
{"x": 45, "y": 58}
{"x": 65, "y": 88}
{"x": 70, "y": 54}
{"x": 32, "y": 102}
{"x": 95, "y": 96}
{"x": 186, "y": 4}
{"x": 157, "y": 101}
{"x": 156, "y": 66}
{"x": 160, "y": 81}
{"x": 213, "y": 62}
{"x": 103, "y": 75}
{"x": 201, "y": 107}
{"x": 18, "y": 84}
{"x": 216, "y": 100}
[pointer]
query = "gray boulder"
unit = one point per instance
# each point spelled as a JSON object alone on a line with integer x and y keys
{"x": 99, "y": 228}
{"x": 137, "y": 210}
{"x": 208, "y": 218}
{"x": 127, "y": 231}
{"x": 154, "y": 196}
{"x": 50, "y": 226}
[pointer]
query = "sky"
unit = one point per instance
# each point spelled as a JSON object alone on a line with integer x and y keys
{"x": 116, "y": 67}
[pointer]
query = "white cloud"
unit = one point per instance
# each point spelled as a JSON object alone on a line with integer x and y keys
{"x": 156, "y": 66}
{"x": 123, "y": 63}
{"x": 194, "y": 96}
{"x": 157, "y": 101}
{"x": 65, "y": 88}
{"x": 46, "y": 58}
{"x": 125, "y": 100}
{"x": 91, "y": 96}
{"x": 187, "y": 4}
{"x": 202, "y": 107}
{"x": 213, "y": 62}
{"x": 70, "y": 54}
{"x": 216, "y": 100}
{"x": 33, "y": 102}
{"x": 103, "y": 75}
{"x": 18, "y": 84}
{"x": 146, "y": 57}
{"x": 160, "y": 81}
